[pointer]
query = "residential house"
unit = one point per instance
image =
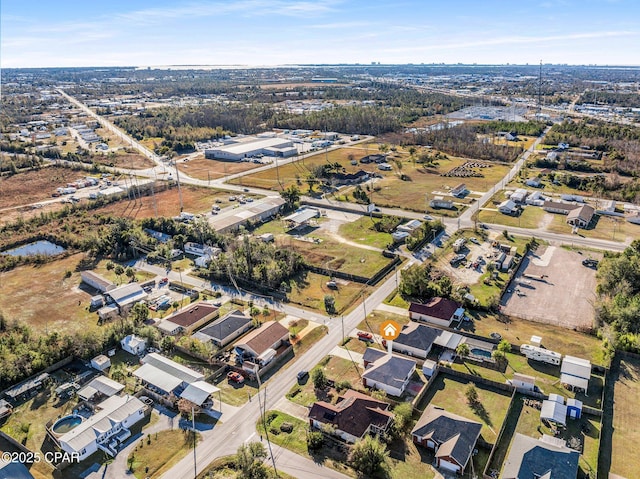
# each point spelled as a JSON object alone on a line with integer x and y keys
{"x": 575, "y": 373}
{"x": 106, "y": 429}
{"x": 440, "y": 202}
{"x": 387, "y": 372}
{"x": 349, "y": 178}
{"x": 134, "y": 344}
{"x": 373, "y": 159}
{"x": 459, "y": 191}
{"x": 453, "y": 438}
{"x": 14, "y": 470}
{"x": 535, "y": 182}
{"x": 271, "y": 335}
{"x": 508, "y": 207}
{"x": 439, "y": 311}
{"x": 101, "y": 362}
{"x": 519, "y": 195}
{"x": 224, "y": 330}
{"x": 547, "y": 457}
{"x": 126, "y": 296}
{"x": 164, "y": 376}
{"x": 581, "y": 216}
{"x": 188, "y": 319}
{"x": 353, "y": 416}
{"x": 415, "y": 340}
{"x": 409, "y": 226}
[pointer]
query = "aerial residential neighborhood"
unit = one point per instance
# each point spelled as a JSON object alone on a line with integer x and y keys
{"x": 391, "y": 244}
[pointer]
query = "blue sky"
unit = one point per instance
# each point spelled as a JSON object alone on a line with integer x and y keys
{"x": 273, "y": 32}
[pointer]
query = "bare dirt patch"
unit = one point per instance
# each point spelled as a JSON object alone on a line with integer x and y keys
{"x": 204, "y": 169}
{"x": 167, "y": 203}
{"x": 564, "y": 297}
{"x": 34, "y": 185}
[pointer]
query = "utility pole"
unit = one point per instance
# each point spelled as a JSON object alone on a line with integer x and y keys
{"x": 263, "y": 411}
{"x": 540, "y": 91}
{"x": 193, "y": 424}
{"x": 342, "y": 321}
{"x": 178, "y": 179}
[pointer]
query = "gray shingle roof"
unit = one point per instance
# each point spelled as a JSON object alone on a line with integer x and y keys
{"x": 456, "y": 434}
{"x": 531, "y": 457}
{"x": 418, "y": 336}
{"x": 390, "y": 370}
{"x": 224, "y": 327}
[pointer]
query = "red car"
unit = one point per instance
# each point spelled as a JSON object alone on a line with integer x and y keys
{"x": 365, "y": 336}
{"x": 234, "y": 377}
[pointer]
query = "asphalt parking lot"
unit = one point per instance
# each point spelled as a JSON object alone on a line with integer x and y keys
{"x": 564, "y": 296}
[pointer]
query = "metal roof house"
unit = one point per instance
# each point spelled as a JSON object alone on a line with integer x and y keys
{"x": 165, "y": 376}
{"x": 126, "y": 296}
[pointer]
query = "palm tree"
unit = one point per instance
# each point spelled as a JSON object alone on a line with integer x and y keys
{"x": 463, "y": 350}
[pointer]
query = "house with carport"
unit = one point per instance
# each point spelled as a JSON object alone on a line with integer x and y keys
{"x": 225, "y": 330}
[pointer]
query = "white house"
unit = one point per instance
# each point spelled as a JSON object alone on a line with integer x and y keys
{"x": 387, "y": 372}
{"x": 459, "y": 191}
{"x": 507, "y": 207}
{"x": 134, "y": 344}
{"x": 519, "y": 195}
{"x": 106, "y": 429}
{"x": 101, "y": 362}
{"x": 440, "y": 202}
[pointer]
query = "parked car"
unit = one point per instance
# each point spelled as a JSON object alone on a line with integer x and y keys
{"x": 428, "y": 217}
{"x": 365, "y": 336}
{"x": 235, "y": 377}
{"x": 590, "y": 263}
{"x": 164, "y": 280}
{"x": 302, "y": 375}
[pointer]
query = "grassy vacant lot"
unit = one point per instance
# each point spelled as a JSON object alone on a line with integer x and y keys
{"x": 297, "y": 172}
{"x": 375, "y": 319}
{"x": 603, "y": 227}
{"x": 361, "y": 231}
{"x": 626, "y": 418}
{"x": 529, "y": 424}
{"x": 531, "y": 217}
{"x": 424, "y": 183}
{"x": 35, "y": 185}
{"x": 101, "y": 269}
{"x": 336, "y": 369}
{"x": 519, "y": 331}
{"x": 449, "y": 393}
{"x": 156, "y": 453}
{"x": 42, "y": 298}
{"x": 309, "y": 289}
{"x": 167, "y": 203}
{"x": 547, "y": 377}
{"x": 204, "y": 169}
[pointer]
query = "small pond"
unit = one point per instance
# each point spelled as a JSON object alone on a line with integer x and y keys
{"x": 46, "y": 248}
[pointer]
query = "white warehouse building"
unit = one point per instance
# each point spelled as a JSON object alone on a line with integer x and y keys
{"x": 236, "y": 150}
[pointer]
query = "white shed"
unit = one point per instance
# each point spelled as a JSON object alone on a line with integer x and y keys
{"x": 101, "y": 362}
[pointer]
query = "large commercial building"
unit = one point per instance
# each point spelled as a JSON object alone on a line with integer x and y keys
{"x": 238, "y": 149}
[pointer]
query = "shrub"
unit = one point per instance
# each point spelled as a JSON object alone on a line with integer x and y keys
{"x": 315, "y": 439}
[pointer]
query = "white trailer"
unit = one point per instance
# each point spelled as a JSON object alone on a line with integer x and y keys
{"x": 541, "y": 354}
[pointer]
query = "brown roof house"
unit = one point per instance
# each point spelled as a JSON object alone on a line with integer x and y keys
{"x": 452, "y": 437}
{"x": 440, "y": 311}
{"x": 260, "y": 345}
{"x": 354, "y": 415}
{"x": 581, "y": 217}
{"x": 188, "y": 319}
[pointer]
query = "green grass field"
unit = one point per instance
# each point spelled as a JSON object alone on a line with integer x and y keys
{"x": 361, "y": 231}
{"x": 156, "y": 453}
{"x": 449, "y": 392}
{"x": 519, "y": 331}
{"x": 626, "y": 418}
{"x": 375, "y": 319}
{"x": 309, "y": 289}
{"x": 530, "y": 217}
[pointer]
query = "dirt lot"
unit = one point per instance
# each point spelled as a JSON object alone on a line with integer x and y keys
{"x": 204, "y": 169}
{"x": 167, "y": 203}
{"x": 564, "y": 297}
{"x": 36, "y": 185}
